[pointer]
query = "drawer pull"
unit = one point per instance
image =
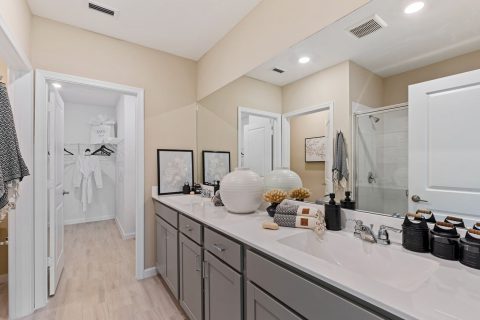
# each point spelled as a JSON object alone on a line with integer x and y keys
{"x": 219, "y": 248}
{"x": 198, "y": 266}
{"x": 188, "y": 227}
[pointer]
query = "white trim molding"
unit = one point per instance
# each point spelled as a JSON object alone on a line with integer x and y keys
{"x": 327, "y": 106}
{"x": 42, "y": 78}
{"x": 150, "y": 272}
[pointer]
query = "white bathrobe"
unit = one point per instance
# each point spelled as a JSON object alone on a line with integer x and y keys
{"x": 87, "y": 168}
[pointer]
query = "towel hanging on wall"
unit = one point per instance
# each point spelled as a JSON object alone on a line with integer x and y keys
{"x": 12, "y": 165}
{"x": 340, "y": 161}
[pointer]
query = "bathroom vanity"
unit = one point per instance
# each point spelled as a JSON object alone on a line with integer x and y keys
{"x": 225, "y": 266}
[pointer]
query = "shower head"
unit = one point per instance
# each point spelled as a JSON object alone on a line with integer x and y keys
{"x": 375, "y": 119}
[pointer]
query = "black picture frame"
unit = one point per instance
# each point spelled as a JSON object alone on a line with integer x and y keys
{"x": 306, "y": 159}
{"x": 179, "y": 188}
{"x": 204, "y": 169}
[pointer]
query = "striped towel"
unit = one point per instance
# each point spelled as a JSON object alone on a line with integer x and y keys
{"x": 292, "y": 221}
{"x": 288, "y": 207}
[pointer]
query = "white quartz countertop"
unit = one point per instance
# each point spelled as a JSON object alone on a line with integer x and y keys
{"x": 407, "y": 284}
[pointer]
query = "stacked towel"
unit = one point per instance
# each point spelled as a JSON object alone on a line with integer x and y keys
{"x": 288, "y": 207}
{"x": 295, "y": 215}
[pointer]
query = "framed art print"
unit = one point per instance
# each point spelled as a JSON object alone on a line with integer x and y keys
{"x": 174, "y": 168}
{"x": 315, "y": 149}
{"x": 216, "y": 164}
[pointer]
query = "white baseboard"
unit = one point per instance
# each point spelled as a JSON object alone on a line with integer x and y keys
{"x": 123, "y": 234}
{"x": 3, "y": 278}
{"x": 150, "y": 272}
{"x": 85, "y": 220}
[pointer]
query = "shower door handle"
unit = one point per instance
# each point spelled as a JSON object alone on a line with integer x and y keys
{"x": 416, "y": 198}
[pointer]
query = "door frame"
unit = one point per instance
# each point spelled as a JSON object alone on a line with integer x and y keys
{"x": 286, "y": 117}
{"x": 40, "y": 174}
{"x": 20, "y": 222}
{"x": 277, "y": 134}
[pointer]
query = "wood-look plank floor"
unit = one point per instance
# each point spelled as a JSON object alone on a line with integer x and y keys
{"x": 98, "y": 282}
{"x": 3, "y": 301}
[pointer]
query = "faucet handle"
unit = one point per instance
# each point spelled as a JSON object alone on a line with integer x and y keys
{"x": 383, "y": 236}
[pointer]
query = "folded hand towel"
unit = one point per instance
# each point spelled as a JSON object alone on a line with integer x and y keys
{"x": 285, "y": 220}
{"x": 288, "y": 207}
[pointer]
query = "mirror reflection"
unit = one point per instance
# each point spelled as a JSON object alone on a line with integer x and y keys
{"x": 353, "y": 78}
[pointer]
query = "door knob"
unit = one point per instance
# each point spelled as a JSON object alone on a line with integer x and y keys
{"x": 66, "y": 192}
{"x": 416, "y": 198}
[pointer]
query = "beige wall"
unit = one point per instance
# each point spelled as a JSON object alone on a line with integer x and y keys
{"x": 311, "y": 173}
{"x": 17, "y": 16}
{"x": 169, "y": 83}
{"x": 396, "y": 87}
{"x": 273, "y": 26}
{"x": 365, "y": 86}
{"x": 217, "y": 114}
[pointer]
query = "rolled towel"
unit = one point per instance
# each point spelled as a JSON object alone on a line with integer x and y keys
{"x": 294, "y": 221}
{"x": 288, "y": 207}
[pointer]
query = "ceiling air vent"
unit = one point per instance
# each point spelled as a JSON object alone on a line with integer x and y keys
{"x": 278, "y": 70}
{"x": 367, "y": 27}
{"x": 101, "y": 9}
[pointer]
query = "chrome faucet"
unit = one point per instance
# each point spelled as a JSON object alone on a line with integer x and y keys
{"x": 383, "y": 237}
{"x": 364, "y": 232}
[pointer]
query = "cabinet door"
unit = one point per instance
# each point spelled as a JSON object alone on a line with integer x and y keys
{"x": 161, "y": 247}
{"x": 191, "y": 291}
{"x": 171, "y": 256}
{"x": 223, "y": 290}
{"x": 261, "y": 306}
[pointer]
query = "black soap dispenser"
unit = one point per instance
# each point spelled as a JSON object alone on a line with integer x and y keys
{"x": 186, "y": 188}
{"x": 333, "y": 214}
{"x": 347, "y": 203}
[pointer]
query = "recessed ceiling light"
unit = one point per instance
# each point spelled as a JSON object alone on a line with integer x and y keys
{"x": 57, "y": 85}
{"x": 414, "y": 7}
{"x": 304, "y": 60}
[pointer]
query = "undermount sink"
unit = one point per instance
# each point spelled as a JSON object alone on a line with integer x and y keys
{"x": 384, "y": 264}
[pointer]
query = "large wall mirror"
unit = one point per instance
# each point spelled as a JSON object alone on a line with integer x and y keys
{"x": 352, "y": 78}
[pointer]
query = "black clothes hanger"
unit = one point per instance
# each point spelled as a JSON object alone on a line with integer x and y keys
{"x": 102, "y": 151}
{"x": 67, "y": 152}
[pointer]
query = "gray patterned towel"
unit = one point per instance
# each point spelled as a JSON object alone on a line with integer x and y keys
{"x": 285, "y": 220}
{"x": 12, "y": 166}
{"x": 288, "y": 207}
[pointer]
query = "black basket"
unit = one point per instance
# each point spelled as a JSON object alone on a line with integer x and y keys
{"x": 444, "y": 243}
{"x": 470, "y": 251}
{"x": 415, "y": 235}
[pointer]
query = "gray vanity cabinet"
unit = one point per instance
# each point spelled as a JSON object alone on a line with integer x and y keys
{"x": 223, "y": 290}
{"x": 167, "y": 254}
{"x": 260, "y": 306}
{"x": 190, "y": 268}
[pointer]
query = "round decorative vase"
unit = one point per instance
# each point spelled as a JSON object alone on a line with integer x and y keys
{"x": 241, "y": 191}
{"x": 283, "y": 179}
{"x": 272, "y": 209}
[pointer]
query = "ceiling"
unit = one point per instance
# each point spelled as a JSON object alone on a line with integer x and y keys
{"x": 442, "y": 30}
{"x": 187, "y": 28}
{"x": 88, "y": 95}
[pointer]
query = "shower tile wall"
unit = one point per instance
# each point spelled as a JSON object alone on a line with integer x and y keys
{"x": 382, "y": 150}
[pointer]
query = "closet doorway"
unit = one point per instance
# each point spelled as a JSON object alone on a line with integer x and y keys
{"x": 89, "y": 174}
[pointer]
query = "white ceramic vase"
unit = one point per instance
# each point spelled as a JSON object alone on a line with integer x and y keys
{"x": 241, "y": 191}
{"x": 283, "y": 179}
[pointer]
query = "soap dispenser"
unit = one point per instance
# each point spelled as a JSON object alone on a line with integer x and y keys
{"x": 333, "y": 214}
{"x": 186, "y": 188}
{"x": 347, "y": 203}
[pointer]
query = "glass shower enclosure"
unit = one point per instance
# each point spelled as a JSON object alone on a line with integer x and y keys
{"x": 381, "y": 160}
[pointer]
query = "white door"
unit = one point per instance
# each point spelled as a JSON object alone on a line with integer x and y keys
{"x": 444, "y": 145}
{"x": 258, "y": 147}
{"x": 55, "y": 189}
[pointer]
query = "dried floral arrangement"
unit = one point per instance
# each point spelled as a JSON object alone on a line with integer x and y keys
{"x": 300, "y": 193}
{"x": 275, "y": 196}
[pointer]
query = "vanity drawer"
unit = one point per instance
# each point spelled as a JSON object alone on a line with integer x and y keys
{"x": 225, "y": 249}
{"x": 304, "y": 297}
{"x": 169, "y": 215}
{"x": 190, "y": 228}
